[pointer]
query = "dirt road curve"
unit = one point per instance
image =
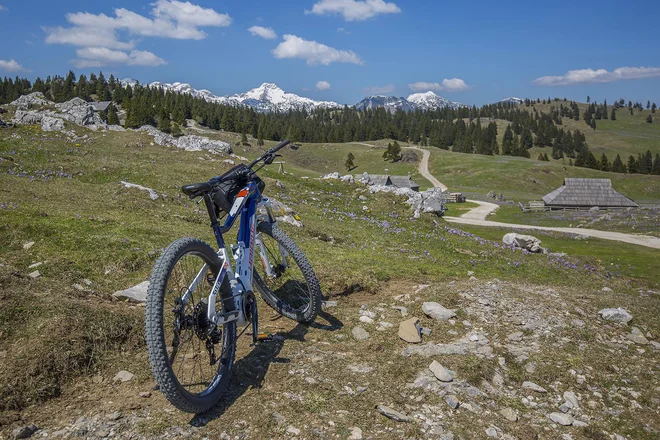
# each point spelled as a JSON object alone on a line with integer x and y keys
{"x": 642, "y": 240}
{"x": 424, "y": 168}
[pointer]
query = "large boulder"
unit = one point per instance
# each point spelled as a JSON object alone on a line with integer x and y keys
{"x": 331, "y": 176}
{"x": 34, "y": 99}
{"x": 79, "y": 112}
{"x": 409, "y": 156}
{"x": 282, "y": 213}
{"x": 527, "y": 242}
{"x": 188, "y": 143}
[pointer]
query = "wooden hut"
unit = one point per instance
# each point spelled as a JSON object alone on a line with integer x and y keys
{"x": 587, "y": 193}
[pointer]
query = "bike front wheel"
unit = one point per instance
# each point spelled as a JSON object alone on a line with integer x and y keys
{"x": 190, "y": 358}
{"x": 291, "y": 288}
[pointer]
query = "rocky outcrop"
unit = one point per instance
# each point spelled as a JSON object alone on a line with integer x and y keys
{"x": 153, "y": 195}
{"x": 34, "y": 99}
{"x": 79, "y": 112}
{"x": 49, "y": 123}
{"x": 188, "y": 143}
{"x": 27, "y": 117}
{"x": 430, "y": 200}
{"x": 282, "y": 213}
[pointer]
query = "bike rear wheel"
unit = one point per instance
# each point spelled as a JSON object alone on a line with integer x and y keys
{"x": 191, "y": 360}
{"x": 294, "y": 290}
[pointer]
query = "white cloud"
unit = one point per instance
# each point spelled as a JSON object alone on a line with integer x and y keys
{"x": 322, "y": 85}
{"x": 353, "y": 10}
{"x": 263, "y": 32}
{"x": 169, "y": 19}
{"x": 379, "y": 90}
{"x": 12, "y": 66}
{"x": 312, "y": 52}
{"x": 449, "y": 85}
{"x": 102, "y": 56}
{"x": 586, "y": 76}
{"x": 341, "y": 30}
{"x": 3, "y": 8}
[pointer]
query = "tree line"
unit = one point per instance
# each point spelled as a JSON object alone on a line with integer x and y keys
{"x": 468, "y": 130}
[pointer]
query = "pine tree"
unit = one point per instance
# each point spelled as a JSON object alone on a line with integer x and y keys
{"x": 653, "y": 107}
{"x": 545, "y": 157}
{"x": 540, "y": 157}
{"x": 244, "y": 139}
{"x": 113, "y": 119}
{"x": 649, "y": 119}
{"x": 618, "y": 166}
{"x": 655, "y": 170}
{"x": 176, "y": 130}
{"x": 613, "y": 117}
{"x": 507, "y": 142}
{"x": 164, "y": 123}
{"x": 604, "y": 163}
{"x": 592, "y": 124}
{"x": 632, "y": 165}
{"x": 349, "y": 164}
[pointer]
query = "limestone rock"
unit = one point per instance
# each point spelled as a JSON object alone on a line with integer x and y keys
{"x": 348, "y": 178}
{"x": 137, "y": 293}
{"x": 436, "y": 311}
{"x": 409, "y": 332}
{"x": 123, "y": 376}
{"x": 528, "y": 242}
{"x": 452, "y": 401}
{"x": 34, "y": 99}
{"x": 356, "y": 434}
{"x": 24, "y": 432}
{"x": 331, "y": 176}
{"x": 561, "y": 418}
{"x": 79, "y": 112}
{"x": 28, "y": 245}
{"x": 392, "y": 414}
{"x": 440, "y": 372}
{"x": 360, "y": 334}
{"x": 619, "y": 315}
{"x": 534, "y": 387}
{"x": 34, "y": 275}
{"x": 510, "y": 414}
{"x": 637, "y": 336}
{"x": 49, "y": 123}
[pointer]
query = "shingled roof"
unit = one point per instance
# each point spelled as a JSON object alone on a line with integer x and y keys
{"x": 396, "y": 181}
{"x": 587, "y": 193}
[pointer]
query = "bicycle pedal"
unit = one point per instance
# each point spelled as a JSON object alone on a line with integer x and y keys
{"x": 264, "y": 337}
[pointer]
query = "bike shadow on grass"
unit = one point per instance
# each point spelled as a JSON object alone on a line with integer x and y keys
{"x": 250, "y": 371}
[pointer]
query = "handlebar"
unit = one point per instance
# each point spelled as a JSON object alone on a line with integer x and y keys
{"x": 270, "y": 153}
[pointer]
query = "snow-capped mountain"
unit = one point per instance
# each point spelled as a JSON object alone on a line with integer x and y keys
{"x": 431, "y": 101}
{"x": 267, "y": 97}
{"x": 513, "y": 100}
{"x": 391, "y": 103}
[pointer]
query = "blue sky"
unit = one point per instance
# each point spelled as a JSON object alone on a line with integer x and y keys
{"x": 474, "y": 52}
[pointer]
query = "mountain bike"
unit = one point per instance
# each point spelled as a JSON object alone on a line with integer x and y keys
{"x": 196, "y": 300}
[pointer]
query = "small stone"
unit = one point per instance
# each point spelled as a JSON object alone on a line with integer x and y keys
{"x": 292, "y": 430}
{"x": 534, "y": 387}
{"x": 329, "y": 304}
{"x": 401, "y": 309}
{"x": 606, "y": 289}
{"x": 356, "y": 434}
{"x": 310, "y": 380}
{"x": 137, "y": 293}
{"x": 425, "y": 331}
{"x": 470, "y": 273}
{"x": 409, "y": 332}
{"x": 515, "y": 336}
{"x": 279, "y": 418}
{"x": 360, "y": 334}
{"x": 509, "y": 414}
{"x": 655, "y": 345}
{"x": 440, "y": 372}
{"x": 474, "y": 338}
{"x": 392, "y": 414}
{"x": 491, "y": 432}
{"x": 571, "y": 399}
{"x": 35, "y": 265}
{"x": 24, "y": 431}
{"x": 27, "y": 246}
{"x": 362, "y": 369}
{"x": 366, "y": 320}
{"x": 34, "y": 275}
{"x": 145, "y": 394}
{"x": 637, "y": 336}
{"x": 114, "y": 416}
{"x": 616, "y": 315}
{"x": 123, "y": 376}
{"x": 452, "y": 401}
{"x": 562, "y": 419}
{"x": 436, "y": 311}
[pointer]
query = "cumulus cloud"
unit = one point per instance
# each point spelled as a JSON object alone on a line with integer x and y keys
{"x": 354, "y": 10}
{"x": 448, "y": 85}
{"x": 322, "y": 85}
{"x": 313, "y": 52}
{"x": 168, "y": 19}
{"x": 379, "y": 90}
{"x": 102, "y": 56}
{"x": 586, "y": 76}
{"x": 12, "y": 66}
{"x": 263, "y": 32}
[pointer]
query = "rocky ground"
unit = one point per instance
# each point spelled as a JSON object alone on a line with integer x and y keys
{"x": 494, "y": 360}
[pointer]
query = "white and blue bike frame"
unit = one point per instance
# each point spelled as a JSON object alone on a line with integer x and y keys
{"x": 246, "y": 205}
